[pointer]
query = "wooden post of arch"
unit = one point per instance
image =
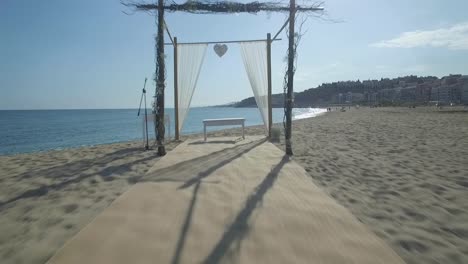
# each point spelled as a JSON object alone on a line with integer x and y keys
{"x": 176, "y": 92}
{"x": 270, "y": 110}
{"x": 290, "y": 92}
{"x": 160, "y": 81}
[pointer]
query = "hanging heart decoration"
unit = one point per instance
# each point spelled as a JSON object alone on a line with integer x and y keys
{"x": 220, "y": 49}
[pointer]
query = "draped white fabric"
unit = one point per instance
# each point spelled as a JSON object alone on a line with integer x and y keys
{"x": 189, "y": 61}
{"x": 255, "y": 62}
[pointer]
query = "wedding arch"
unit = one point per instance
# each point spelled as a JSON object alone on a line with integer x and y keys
{"x": 256, "y": 55}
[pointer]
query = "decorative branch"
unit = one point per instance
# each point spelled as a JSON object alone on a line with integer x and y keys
{"x": 213, "y": 7}
{"x": 297, "y": 38}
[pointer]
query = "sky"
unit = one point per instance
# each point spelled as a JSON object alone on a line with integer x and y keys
{"x": 64, "y": 54}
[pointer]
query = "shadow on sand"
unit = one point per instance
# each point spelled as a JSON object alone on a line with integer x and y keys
{"x": 186, "y": 226}
{"x": 192, "y": 171}
{"x": 72, "y": 172}
{"x": 201, "y": 167}
{"x": 198, "y": 166}
{"x": 240, "y": 227}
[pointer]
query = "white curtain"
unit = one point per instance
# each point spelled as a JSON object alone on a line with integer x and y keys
{"x": 189, "y": 61}
{"x": 255, "y": 62}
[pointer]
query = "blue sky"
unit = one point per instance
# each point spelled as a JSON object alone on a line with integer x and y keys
{"x": 59, "y": 54}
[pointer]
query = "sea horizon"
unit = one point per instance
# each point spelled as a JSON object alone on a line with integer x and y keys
{"x": 28, "y": 130}
{"x": 136, "y": 108}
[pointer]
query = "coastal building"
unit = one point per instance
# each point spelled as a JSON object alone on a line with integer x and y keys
{"x": 408, "y": 94}
{"x": 447, "y": 93}
{"x": 434, "y": 94}
{"x": 451, "y": 79}
{"x": 440, "y": 94}
{"x": 410, "y": 84}
{"x": 423, "y": 92}
{"x": 340, "y": 98}
{"x": 464, "y": 90}
{"x": 389, "y": 95}
{"x": 450, "y": 89}
{"x": 371, "y": 98}
{"x": 349, "y": 97}
{"x": 354, "y": 97}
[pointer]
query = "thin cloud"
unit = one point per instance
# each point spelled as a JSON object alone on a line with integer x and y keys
{"x": 454, "y": 38}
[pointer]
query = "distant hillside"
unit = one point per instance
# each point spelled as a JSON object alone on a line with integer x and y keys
{"x": 277, "y": 101}
{"x": 362, "y": 91}
{"x": 233, "y": 104}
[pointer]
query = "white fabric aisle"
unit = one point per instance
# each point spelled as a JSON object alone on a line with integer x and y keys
{"x": 255, "y": 62}
{"x": 189, "y": 61}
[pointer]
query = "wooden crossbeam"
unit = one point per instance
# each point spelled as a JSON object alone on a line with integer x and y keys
{"x": 223, "y": 41}
{"x": 205, "y": 7}
{"x": 281, "y": 29}
{"x": 168, "y": 33}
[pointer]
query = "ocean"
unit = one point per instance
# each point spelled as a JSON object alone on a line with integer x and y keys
{"x": 24, "y": 131}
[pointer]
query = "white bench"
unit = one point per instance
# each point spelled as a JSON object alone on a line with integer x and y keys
{"x": 224, "y": 122}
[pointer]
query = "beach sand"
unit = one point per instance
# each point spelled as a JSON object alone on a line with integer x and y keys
{"x": 402, "y": 172}
{"x": 46, "y": 198}
{"x": 226, "y": 201}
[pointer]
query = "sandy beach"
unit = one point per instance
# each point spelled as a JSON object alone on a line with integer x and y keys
{"x": 47, "y": 197}
{"x": 402, "y": 172}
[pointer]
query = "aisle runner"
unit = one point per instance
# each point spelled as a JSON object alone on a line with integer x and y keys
{"x": 226, "y": 201}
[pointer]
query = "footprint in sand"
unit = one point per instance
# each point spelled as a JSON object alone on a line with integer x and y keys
{"x": 413, "y": 246}
{"x": 462, "y": 183}
{"x": 414, "y": 215}
{"x": 459, "y": 232}
{"x": 69, "y": 208}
